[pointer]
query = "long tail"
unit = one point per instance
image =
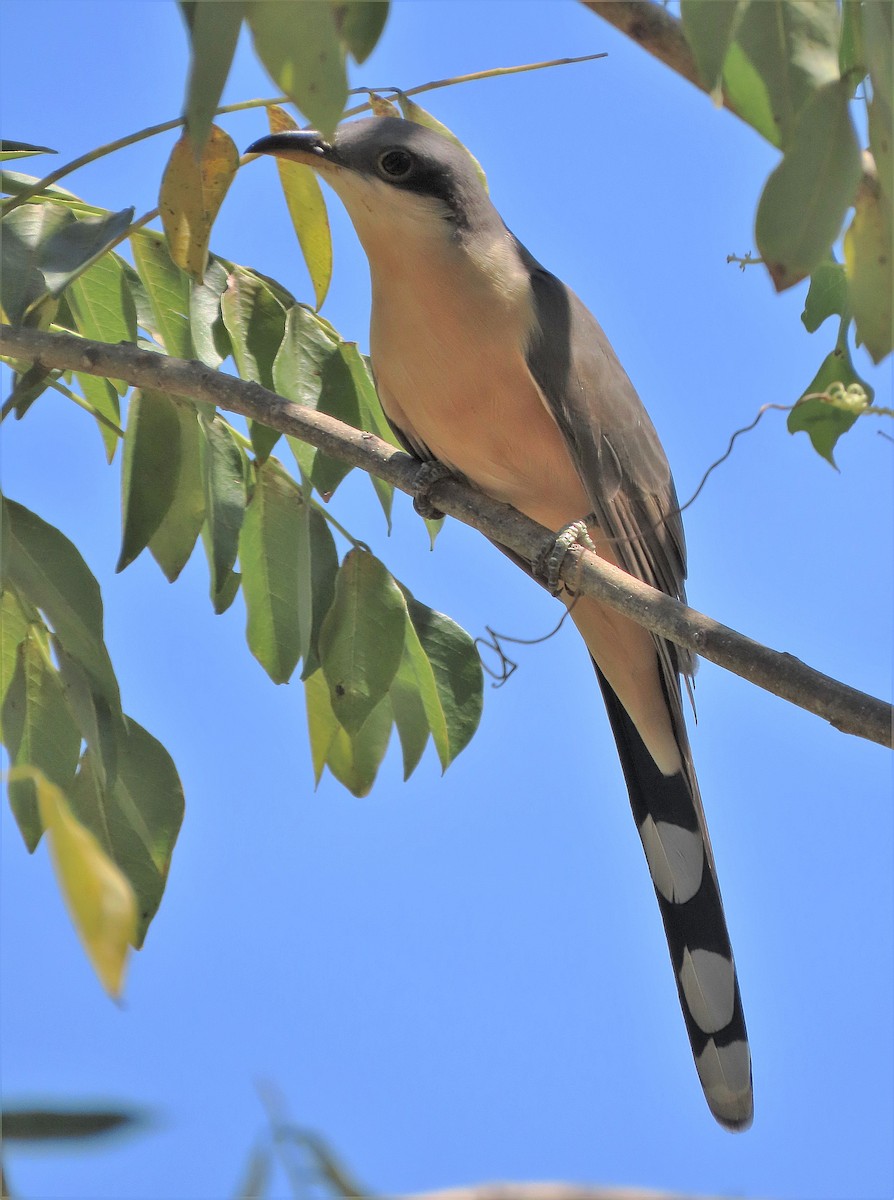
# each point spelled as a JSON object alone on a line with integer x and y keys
{"x": 668, "y": 815}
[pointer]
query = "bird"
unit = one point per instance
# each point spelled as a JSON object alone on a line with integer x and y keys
{"x": 490, "y": 367}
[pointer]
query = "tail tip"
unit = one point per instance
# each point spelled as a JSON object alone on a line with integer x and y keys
{"x": 735, "y": 1113}
{"x": 725, "y": 1074}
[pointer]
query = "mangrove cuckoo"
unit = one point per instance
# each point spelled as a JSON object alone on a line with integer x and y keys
{"x": 489, "y": 365}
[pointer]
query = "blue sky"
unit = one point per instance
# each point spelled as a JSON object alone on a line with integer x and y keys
{"x": 464, "y": 978}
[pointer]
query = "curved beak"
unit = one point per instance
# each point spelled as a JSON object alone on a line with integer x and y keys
{"x": 299, "y": 145}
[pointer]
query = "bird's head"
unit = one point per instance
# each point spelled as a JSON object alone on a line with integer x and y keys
{"x": 397, "y": 179}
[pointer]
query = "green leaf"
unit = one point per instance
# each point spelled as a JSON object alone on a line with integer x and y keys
{"x": 878, "y": 34}
{"x": 826, "y": 419}
{"x": 307, "y": 209}
{"x": 47, "y": 571}
{"x": 192, "y": 190}
{"x": 100, "y": 900}
{"x": 38, "y": 731}
{"x": 276, "y": 289}
{"x": 851, "y": 57}
{"x": 323, "y": 572}
{"x": 305, "y": 577}
{"x": 710, "y": 29}
{"x": 224, "y": 483}
{"x": 748, "y": 95}
{"x": 16, "y": 182}
{"x": 361, "y": 640}
{"x": 360, "y": 24}
{"x": 140, "y": 296}
{"x": 370, "y": 417}
{"x": 300, "y": 47}
{"x": 421, "y": 116}
{"x": 103, "y": 398}
{"x": 410, "y": 717}
{"x": 92, "y": 715}
{"x": 256, "y": 322}
{"x": 150, "y": 470}
{"x": 138, "y": 819}
{"x": 417, "y": 662}
{"x": 49, "y": 1124}
{"x": 45, "y": 248}
{"x": 210, "y": 340}
{"x": 804, "y": 200}
{"x": 10, "y": 150}
{"x": 353, "y": 760}
{"x": 16, "y": 614}
{"x": 306, "y": 346}
{"x": 26, "y": 234}
{"x": 102, "y": 305}
{"x": 794, "y": 47}
{"x": 867, "y": 254}
{"x": 322, "y": 723}
{"x": 880, "y": 138}
{"x": 458, "y": 676}
{"x": 213, "y": 32}
{"x": 172, "y": 543}
{"x": 338, "y": 398}
{"x": 307, "y": 370}
{"x": 168, "y": 290}
{"x": 269, "y": 553}
{"x": 827, "y": 295}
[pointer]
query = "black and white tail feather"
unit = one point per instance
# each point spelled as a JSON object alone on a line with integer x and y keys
{"x": 668, "y": 814}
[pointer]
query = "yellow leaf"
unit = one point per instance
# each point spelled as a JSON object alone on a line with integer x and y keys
{"x": 382, "y": 107}
{"x": 867, "y": 257}
{"x": 307, "y": 208}
{"x": 100, "y": 900}
{"x": 192, "y": 191}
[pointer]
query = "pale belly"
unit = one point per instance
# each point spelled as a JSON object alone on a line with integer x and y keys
{"x": 476, "y": 408}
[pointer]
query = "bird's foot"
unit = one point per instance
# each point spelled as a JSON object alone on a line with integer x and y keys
{"x": 549, "y": 561}
{"x": 427, "y": 476}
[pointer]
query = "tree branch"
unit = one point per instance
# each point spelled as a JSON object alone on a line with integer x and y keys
{"x": 782, "y": 674}
{"x": 651, "y": 26}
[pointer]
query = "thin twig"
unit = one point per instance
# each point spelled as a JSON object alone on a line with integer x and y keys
{"x": 132, "y": 139}
{"x": 475, "y": 76}
{"x": 583, "y": 571}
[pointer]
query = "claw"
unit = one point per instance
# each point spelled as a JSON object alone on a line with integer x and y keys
{"x": 427, "y": 476}
{"x": 549, "y": 561}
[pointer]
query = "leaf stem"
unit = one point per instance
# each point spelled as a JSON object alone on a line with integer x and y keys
{"x": 327, "y": 516}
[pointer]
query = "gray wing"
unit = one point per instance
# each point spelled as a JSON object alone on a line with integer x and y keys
{"x": 614, "y": 446}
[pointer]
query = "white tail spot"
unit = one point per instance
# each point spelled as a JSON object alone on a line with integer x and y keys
{"x": 709, "y": 985}
{"x": 676, "y": 859}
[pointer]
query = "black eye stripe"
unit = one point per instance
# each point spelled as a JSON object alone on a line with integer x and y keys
{"x": 396, "y": 164}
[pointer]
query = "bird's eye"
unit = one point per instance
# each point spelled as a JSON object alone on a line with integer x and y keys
{"x": 395, "y": 164}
